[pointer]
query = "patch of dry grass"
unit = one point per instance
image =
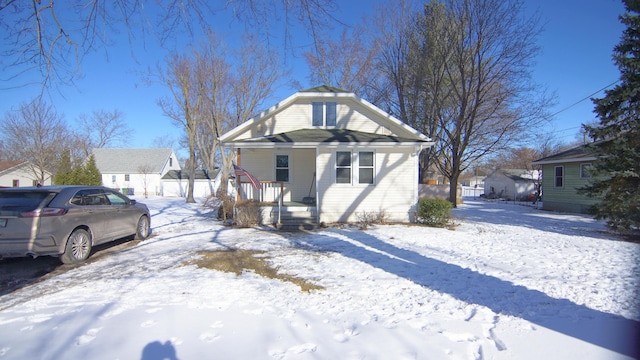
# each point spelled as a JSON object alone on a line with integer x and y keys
{"x": 236, "y": 261}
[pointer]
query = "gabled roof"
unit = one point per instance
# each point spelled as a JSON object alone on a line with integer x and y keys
{"x": 329, "y": 92}
{"x": 518, "y": 175}
{"x": 577, "y": 154}
{"x": 325, "y": 88}
{"x": 130, "y": 161}
{"x": 184, "y": 175}
{"x": 330, "y": 136}
{"x": 6, "y": 165}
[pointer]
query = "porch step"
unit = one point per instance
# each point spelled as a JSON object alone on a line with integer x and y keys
{"x": 293, "y": 220}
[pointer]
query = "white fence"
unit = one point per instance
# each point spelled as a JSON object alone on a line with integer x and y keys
{"x": 472, "y": 192}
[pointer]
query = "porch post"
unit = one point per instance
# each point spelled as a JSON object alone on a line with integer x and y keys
{"x": 237, "y": 177}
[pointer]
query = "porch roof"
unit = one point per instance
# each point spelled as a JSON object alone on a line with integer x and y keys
{"x": 330, "y": 136}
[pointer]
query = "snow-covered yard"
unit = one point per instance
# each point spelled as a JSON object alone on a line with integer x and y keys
{"x": 510, "y": 282}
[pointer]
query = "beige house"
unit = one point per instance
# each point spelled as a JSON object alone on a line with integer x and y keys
{"x": 333, "y": 153}
{"x": 21, "y": 174}
{"x": 135, "y": 171}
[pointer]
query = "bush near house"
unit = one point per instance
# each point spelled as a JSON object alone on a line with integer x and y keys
{"x": 434, "y": 212}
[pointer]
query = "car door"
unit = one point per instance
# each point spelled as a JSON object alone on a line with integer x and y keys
{"x": 124, "y": 216}
{"x": 95, "y": 213}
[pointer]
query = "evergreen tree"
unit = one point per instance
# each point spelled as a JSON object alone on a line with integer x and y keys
{"x": 617, "y": 135}
{"x": 91, "y": 173}
{"x": 63, "y": 174}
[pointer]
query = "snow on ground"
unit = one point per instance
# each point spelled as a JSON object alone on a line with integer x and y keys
{"x": 510, "y": 282}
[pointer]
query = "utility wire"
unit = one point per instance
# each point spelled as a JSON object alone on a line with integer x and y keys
{"x": 583, "y": 99}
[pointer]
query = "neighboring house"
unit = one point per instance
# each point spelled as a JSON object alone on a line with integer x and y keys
{"x": 20, "y": 174}
{"x": 133, "y": 171}
{"x": 511, "y": 184}
{"x": 334, "y": 152}
{"x": 562, "y": 175}
{"x": 176, "y": 182}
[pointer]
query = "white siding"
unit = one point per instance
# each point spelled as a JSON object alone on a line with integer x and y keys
{"x": 136, "y": 182}
{"x": 23, "y": 175}
{"x": 350, "y": 115}
{"x": 394, "y": 193}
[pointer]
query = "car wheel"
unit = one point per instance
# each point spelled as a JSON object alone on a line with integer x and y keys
{"x": 78, "y": 247}
{"x": 142, "y": 231}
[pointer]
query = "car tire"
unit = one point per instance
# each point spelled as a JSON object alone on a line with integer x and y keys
{"x": 142, "y": 230}
{"x": 78, "y": 247}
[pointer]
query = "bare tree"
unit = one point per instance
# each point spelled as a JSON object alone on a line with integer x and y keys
{"x": 145, "y": 170}
{"x": 34, "y": 133}
{"x": 102, "y": 129}
{"x": 347, "y": 63}
{"x": 253, "y": 80}
{"x": 51, "y": 38}
{"x": 476, "y": 87}
{"x": 185, "y": 80}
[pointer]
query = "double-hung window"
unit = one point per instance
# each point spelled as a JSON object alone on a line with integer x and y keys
{"x": 355, "y": 168}
{"x": 559, "y": 176}
{"x": 282, "y": 168}
{"x": 343, "y": 167}
{"x": 324, "y": 114}
{"x": 365, "y": 167}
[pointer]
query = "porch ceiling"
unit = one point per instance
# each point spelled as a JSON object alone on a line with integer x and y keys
{"x": 329, "y": 136}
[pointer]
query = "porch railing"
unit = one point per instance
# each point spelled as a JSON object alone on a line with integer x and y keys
{"x": 269, "y": 192}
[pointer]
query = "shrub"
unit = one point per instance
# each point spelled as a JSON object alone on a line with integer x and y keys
{"x": 434, "y": 212}
{"x": 220, "y": 203}
{"x": 248, "y": 213}
{"x": 365, "y": 218}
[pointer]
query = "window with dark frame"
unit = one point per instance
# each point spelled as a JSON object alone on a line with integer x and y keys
{"x": 343, "y": 167}
{"x": 559, "y": 176}
{"x": 282, "y": 168}
{"x": 126, "y": 177}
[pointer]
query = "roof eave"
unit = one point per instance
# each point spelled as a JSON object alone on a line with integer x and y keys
{"x": 564, "y": 161}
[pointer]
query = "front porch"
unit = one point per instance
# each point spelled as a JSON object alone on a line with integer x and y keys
{"x": 283, "y": 214}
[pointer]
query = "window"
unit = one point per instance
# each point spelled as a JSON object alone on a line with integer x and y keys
{"x": 282, "y": 168}
{"x": 330, "y": 116}
{"x": 317, "y": 113}
{"x": 324, "y": 114}
{"x": 126, "y": 177}
{"x": 113, "y": 178}
{"x": 15, "y": 183}
{"x": 365, "y": 167}
{"x": 343, "y": 167}
{"x": 116, "y": 199}
{"x": 585, "y": 170}
{"x": 559, "y": 176}
{"x": 170, "y": 162}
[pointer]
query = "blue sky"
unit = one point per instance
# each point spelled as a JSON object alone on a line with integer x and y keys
{"x": 575, "y": 62}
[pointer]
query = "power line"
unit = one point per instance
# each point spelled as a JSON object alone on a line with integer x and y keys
{"x": 583, "y": 99}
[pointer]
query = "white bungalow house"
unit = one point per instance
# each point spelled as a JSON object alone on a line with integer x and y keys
{"x": 135, "y": 171}
{"x": 332, "y": 152}
{"x": 20, "y": 174}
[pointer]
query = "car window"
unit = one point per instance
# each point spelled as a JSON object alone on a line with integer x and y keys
{"x": 20, "y": 201}
{"x": 116, "y": 199}
{"x": 89, "y": 197}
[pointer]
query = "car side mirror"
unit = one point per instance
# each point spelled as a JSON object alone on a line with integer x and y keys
{"x": 132, "y": 202}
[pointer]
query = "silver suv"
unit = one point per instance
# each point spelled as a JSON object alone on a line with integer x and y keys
{"x": 66, "y": 221}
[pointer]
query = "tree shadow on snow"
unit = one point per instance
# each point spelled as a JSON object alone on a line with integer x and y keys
{"x": 606, "y": 330}
{"x": 501, "y": 213}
